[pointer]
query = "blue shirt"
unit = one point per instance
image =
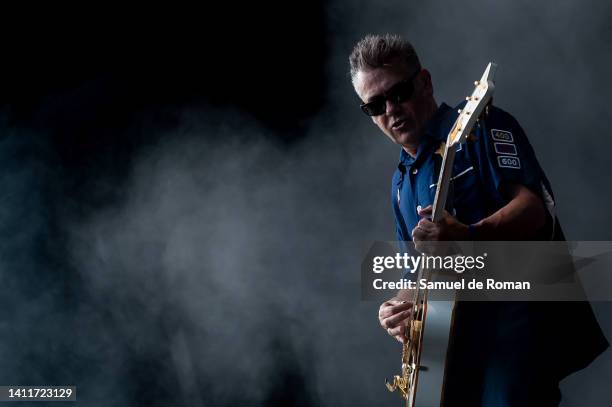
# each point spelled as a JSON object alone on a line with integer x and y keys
{"x": 497, "y": 151}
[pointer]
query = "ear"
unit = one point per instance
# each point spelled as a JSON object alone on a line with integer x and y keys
{"x": 425, "y": 79}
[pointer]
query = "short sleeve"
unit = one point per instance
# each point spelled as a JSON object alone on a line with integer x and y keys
{"x": 507, "y": 154}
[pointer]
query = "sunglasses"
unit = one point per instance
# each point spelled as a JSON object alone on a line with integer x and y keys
{"x": 398, "y": 93}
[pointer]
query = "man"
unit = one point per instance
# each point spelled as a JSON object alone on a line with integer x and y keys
{"x": 499, "y": 193}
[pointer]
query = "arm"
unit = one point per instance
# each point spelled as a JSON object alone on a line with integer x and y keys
{"x": 394, "y": 314}
{"x": 523, "y": 216}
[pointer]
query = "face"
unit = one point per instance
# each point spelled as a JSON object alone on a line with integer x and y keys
{"x": 402, "y": 122}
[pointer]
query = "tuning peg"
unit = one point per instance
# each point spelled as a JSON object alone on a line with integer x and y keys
{"x": 468, "y": 98}
{"x": 476, "y": 83}
{"x": 459, "y": 111}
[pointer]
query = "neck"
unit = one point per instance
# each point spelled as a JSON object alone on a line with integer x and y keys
{"x": 411, "y": 149}
{"x": 431, "y": 109}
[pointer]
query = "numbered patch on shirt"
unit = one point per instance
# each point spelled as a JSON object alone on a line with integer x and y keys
{"x": 505, "y": 148}
{"x": 502, "y": 135}
{"x": 509, "y": 162}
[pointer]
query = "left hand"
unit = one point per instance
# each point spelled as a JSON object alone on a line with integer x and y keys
{"x": 447, "y": 229}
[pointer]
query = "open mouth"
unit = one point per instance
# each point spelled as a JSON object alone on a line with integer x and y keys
{"x": 399, "y": 124}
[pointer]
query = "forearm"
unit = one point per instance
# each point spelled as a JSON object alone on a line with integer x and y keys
{"x": 521, "y": 218}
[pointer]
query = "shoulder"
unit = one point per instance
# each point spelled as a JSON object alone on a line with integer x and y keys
{"x": 504, "y": 127}
{"x": 497, "y": 129}
{"x": 493, "y": 115}
{"x": 497, "y": 113}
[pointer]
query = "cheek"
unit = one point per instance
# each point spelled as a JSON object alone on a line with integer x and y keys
{"x": 377, "y": 121}
{"x": 419, "y": 110}
{"x": 381, "y": 123}
{"x": 410, "y": 110}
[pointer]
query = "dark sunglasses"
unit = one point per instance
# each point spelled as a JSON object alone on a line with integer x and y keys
{"x": 398, "y": 93}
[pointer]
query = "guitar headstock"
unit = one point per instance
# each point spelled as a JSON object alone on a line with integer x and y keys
{"x": 474, "y": 107}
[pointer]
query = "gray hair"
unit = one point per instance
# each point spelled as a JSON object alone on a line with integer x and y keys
{"x": 375, "y": 51}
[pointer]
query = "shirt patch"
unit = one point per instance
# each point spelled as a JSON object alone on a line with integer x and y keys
{"x": 505, "y": 148}
{"x": 502, "y": 135}
{"x": 509, "y": 162}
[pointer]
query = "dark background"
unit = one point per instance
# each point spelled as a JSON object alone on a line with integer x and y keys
{"x": 184, "y": 191}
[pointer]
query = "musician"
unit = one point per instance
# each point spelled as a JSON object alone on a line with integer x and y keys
{"x": 502, "y": 354}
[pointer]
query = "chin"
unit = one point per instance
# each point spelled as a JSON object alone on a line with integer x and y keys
{"x": 405, "y": 138}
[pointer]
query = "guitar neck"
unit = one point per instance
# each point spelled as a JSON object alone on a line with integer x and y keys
{"x": 443, "y": 187}
{"x": 466, "y": 120}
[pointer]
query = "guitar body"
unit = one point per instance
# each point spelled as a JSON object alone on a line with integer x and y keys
{"x": 438, "y": 328}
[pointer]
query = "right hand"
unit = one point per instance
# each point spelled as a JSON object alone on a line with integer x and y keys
{"x": 393, "y": 316}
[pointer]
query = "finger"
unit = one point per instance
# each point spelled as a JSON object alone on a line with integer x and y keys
{"x": 384, "y": 309}
{"x": 401, "y": 338}
{"x": 390, "y": 310}
{"x": 426, "y": 224}
{"x": 397, "y": 331}
{"x": 394, "y": 320}
{"x": 419, "y": 233}
{"x": 427, "y": 211}
{"x": 418, "y": 246}
{"x": 397, "y": 319}
{"x": 402, "y": 306}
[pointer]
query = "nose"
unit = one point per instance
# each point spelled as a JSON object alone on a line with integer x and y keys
{"x": 391, "y": 107}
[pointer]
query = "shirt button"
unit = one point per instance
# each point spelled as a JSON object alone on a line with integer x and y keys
{"x": 414, "y": 171}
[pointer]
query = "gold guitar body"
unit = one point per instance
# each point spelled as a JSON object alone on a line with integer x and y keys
{"x": 424, "y": 355}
